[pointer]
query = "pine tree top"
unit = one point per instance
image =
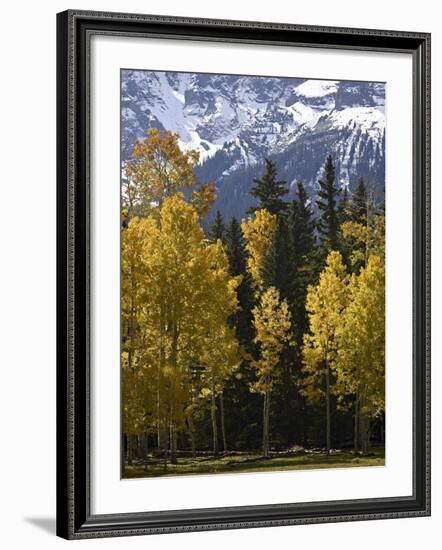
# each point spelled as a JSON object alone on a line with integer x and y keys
{"x": 217, "y": 229}
{"x": 328, "y": 193}
{"x": 235, "y": 247}
{"x": 269, "y": 191}
{"x": 359, "y": 202}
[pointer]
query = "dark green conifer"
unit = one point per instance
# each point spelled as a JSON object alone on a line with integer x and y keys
{"x": 269, "y": 191}
{"x": 328, "y": 223}
{"x": 278, "y": 269}
{"x": 236, "y": 252}
{"x": 217, "y": 229}
{"x": 359, "y": 203}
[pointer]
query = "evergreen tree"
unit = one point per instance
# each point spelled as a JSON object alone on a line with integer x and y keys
{"x": 359, "y": 203}
{"x": 278, "y": 269}
{"x": 235, "y": 248}
{"x": 269, "y": 191}
{"x": 236, "y": 252}
{"x": 302, "y": 227}
{"x": 302, "y": 236}
{"x": 344, "y": 208}
{"x": 328, "y": 223}
{"x": 217, "y": 229}
{"x": 344, "y": 215}
{"x": 278, "y": 273}
{"x": 243, "y": 409}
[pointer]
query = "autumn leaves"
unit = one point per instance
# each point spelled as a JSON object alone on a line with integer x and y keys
{"x": 177, "y": 296}
{"x": 198, "y": 311}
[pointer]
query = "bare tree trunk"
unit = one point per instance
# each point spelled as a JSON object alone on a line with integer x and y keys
{"x": 327, "y": 406}
{"x": 192, "y": 436}
{"x": 223, "y": 426}
{"x": 160, "y": 370}
{"x": 192, "y": 441}
{"x": 266, "y": 423}
{"x": 123, "y": 450}
{"x": 146, "y": 450}
{"x": 174, "y": 447}
{"x": 356, "y": 426}
{"x": 364, "y": 430}
{"x": 287, "y": 414}
{"x": 364, "y": 423}
{"x": 304, "y": 422}
{"x": 174, "y": 361}
{"x": 214, "y": 424}
{"x": 129, "y": 450}
{"x": 158, "y": 408}
{"x": 172, "y": 439}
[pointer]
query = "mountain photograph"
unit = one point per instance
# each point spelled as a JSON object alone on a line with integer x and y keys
{"x": 252, "y": 273}
{"x": 234, "y": 122}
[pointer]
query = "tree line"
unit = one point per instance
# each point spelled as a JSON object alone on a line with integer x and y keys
{"x": 257, "y": 334}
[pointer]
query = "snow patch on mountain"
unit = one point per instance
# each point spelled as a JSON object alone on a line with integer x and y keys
{"x": 317, "y": 88}
{"x": 237, "y": 121}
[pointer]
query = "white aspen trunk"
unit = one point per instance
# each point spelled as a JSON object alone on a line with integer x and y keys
{"x": 214, "y": 423}
{"x": 223, "y": 426}
{"x": 129, "y": 450}
{"x": 327, "y": 405}
{"x": 356, "y": 426}
{"x": 146, "y": 450}
{"x": 191, "y": 435}
{"x": 266, "y": 422}
{"x": 364, "y": 425}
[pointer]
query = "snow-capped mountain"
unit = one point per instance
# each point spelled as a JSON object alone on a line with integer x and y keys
{"x": 237, "y": 121}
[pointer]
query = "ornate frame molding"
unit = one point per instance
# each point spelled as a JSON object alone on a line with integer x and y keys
{"x": 74, "y": 29}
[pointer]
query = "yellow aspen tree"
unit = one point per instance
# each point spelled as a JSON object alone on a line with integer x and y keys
{"x": 365, "y": 239}
{"x": 325, "y": 305}
{"x": 203, "y": 198}
{"x": 361, "y": 355}
{"x": 183, "y": 266}
{"x": 272, "y": 322}
{"x": 138, "y": 405}
{"x": 157, "y": 170}
{"x": 221, "y": 349}
{"x": 258, "y": 232}
{"x": 221, "y": 358}
{"x": 135, "y": 376}
{"x": 186, "y": 298}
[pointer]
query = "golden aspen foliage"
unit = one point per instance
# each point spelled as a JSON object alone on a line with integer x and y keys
{"x": 184, "y": 296}
{"x": 203, "y": 198}
{"x": 138, "y": 399}
{"x": 365, "y": 239}
{"x": 325, "y": 305}
{"x": 157, "y": 170}
{"x": 361, "y": 355}
{"x": 272, "y": 322}
{"x": 258, "y": 233}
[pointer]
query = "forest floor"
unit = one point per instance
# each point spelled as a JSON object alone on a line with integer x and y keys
{"x": 253, "y": 462}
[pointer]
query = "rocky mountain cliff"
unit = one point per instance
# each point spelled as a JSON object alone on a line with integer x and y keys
{"x": 237, "y": 121}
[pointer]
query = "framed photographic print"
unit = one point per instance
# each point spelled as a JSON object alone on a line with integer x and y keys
{"x": 243, "y": 274}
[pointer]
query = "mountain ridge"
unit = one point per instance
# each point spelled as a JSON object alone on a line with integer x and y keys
{"x": 235, "y": 122}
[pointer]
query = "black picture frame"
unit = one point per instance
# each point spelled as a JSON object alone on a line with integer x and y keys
{"x": 74, "y": 518}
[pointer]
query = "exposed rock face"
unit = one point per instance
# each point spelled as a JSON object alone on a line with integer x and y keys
{"x": 237, "y": 121}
